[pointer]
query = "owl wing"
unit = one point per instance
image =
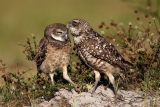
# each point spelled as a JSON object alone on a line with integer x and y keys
{"x": 100, "y": 48}
{"x": 40, "y": 56}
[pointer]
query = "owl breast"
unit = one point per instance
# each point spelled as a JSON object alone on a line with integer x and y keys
{"x": 56, "y": 58}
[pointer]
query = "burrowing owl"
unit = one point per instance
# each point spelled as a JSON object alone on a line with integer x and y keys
{"x": 96, "y": 51}
{"x": 54, "y": 51}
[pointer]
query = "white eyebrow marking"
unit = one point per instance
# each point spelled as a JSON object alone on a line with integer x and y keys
{"x": 57, "y": 37}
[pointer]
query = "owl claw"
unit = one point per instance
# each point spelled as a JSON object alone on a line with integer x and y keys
{"x": 77, "y": 88}
{"x": 119, "y": 97}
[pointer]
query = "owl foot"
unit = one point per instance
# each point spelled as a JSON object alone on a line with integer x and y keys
{"x": 77, "y": 88}
{"x": 119, "y": 97}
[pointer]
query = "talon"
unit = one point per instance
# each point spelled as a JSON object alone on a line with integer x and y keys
{"x": 119, "y": 97}
{"x": 78, "y": 88}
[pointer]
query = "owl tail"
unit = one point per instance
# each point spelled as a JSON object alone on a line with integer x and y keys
{"x": 127, "y": 65}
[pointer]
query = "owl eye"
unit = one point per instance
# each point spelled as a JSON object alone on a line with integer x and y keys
{"x": 74, "y": 23}
{"x": 58, "y": 32}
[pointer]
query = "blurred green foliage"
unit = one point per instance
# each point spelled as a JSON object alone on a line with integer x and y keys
{"x": 141, "y": 5}
{"x": 21, "y": 18}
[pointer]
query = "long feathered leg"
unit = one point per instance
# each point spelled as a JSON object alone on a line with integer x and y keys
{"x": 112, "y": 80}
{"x": 65, "y": 76}
{"x": 97, "y": 78}
{"x": 52, "y": 77}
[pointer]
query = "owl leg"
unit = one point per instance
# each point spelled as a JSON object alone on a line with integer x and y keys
{"x": 112, "y": 80}
{"x": 65, "y": 76}
{"x": 97, "y": 78}
{"x": 52, "y": 77}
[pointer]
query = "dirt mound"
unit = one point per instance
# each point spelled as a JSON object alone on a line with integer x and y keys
{"x": 101, "y": 98}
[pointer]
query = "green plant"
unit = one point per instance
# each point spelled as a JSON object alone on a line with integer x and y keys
{"x": 139, "y": 43}
{"x": 30, "y": 49}
{"x": 26, "y": 90}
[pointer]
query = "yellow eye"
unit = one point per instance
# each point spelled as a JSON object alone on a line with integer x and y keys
{"x": 59, "y": 33}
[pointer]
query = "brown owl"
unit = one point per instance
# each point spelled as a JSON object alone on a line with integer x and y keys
{"x": 54, "y": 51}
{"x": 97, "y": 52}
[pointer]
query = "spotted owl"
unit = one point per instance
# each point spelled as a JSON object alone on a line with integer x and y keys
{"x": 97, "y": 52}
{"x": 54, "y": 51}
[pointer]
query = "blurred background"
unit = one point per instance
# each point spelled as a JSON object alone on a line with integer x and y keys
{"x": 19, "y": 19}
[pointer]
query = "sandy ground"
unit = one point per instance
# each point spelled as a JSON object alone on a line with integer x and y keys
{"x": 101, "y": 98}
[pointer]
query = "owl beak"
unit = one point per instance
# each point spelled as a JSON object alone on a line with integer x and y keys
{"x": 65, "y": 36}
{"x": 67, "y": 26}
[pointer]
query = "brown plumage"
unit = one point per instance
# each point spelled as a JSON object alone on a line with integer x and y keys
{"x": 97, "y": 52}
{"x": 54, "y": 51}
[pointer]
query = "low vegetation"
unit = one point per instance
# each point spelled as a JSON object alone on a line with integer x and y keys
{"x": 139, "y": 43}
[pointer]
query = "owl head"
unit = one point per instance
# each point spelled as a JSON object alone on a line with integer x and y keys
{"x": 56, "y": 31}
{"x": 78, "y": 27}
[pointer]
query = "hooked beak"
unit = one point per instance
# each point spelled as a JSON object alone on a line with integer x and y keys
{"x": 65, "y": 36}
{"x": 67, "y": 26}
